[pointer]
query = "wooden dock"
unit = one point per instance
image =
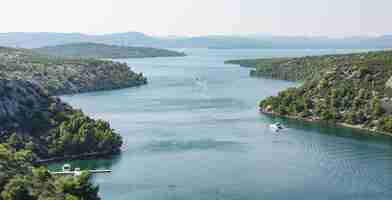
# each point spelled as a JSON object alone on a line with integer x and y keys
{"x": 78, "y": 172}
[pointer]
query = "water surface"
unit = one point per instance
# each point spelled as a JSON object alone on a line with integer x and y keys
{"x": 194, "y": 133}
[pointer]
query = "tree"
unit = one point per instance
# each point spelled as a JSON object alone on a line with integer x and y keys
{"x": 17, "y": 189}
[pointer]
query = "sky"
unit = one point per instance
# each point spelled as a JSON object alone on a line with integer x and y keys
{"x": 335, "y": 18}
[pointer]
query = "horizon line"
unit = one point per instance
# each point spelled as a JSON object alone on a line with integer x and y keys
{"x": 247, "y": 35}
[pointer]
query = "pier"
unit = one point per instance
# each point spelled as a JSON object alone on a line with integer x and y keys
{"x": 77, "y": 172}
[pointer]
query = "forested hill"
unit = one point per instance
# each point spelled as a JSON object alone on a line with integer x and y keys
{"x": 35, "y": 126}
{"x": 30, "y": 119}
{"x": 299, "y": 69}
{"x": 354, "y": 90}
{"x": 60, "y": 76}
{"x": 95, "y": 50}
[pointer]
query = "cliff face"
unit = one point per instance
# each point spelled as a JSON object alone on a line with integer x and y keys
{"x": 61, "y": 76}
{"x": 31, "y": 119}
{"x": 354, "y": 91}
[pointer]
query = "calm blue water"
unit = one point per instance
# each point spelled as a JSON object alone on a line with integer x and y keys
{"x": 194, "y": 133}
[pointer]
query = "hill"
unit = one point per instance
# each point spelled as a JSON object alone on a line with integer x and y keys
{"x": 61, "y": 76}
{"x": 94, "y": 50}
{"x": 37, "y": 40}
{"x": 353, "y": 90}
{"x": 295, "y": 69}
{"x": 35, "y": 126}
{"x": 31, "y": 119}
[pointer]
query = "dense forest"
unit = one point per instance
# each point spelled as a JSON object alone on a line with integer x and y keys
{"x": 35, "y": 126}
{"x": 31, "y": 119}
{"x": 95, "y": 50}
{"x": 21, "y": 180}
{"x": 60, "y": 76}
{"x": 354, "y": 90}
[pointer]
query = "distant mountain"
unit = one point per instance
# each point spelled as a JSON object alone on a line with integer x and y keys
{"x": 94, "y": 50}
{"x": 37, "y": 40}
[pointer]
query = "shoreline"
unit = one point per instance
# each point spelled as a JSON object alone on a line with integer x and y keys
{"x": 84, "y": 156}
{"x": 358, "y": 127}
{"x": 91, "y": 90}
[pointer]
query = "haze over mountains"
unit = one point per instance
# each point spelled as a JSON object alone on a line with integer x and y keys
{"x": 36, "y": 40}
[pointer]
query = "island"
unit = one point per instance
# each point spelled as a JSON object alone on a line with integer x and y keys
{"x": 353, "y": 90}
{"x": 59, "y": 75}
{"x": 96, "y": 50}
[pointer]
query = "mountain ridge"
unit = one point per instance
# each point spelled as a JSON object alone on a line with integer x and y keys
{"x": 36, "y": 40}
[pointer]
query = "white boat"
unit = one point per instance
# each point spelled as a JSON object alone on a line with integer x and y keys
{"x": 66, "y": 168}
{"x": 276, "y": 126}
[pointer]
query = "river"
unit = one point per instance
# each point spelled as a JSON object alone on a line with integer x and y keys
{"x": 194, "y": 133}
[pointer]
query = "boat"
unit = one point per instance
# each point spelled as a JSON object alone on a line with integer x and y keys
{"x": 276, "y": 126}
{"x": 66, "y": 168}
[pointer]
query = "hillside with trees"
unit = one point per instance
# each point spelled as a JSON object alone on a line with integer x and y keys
{"x": 21, "y": 180}
{"x": 95, "y": 50}
{"x": 354, "y": 90}
{"x": 35, "y": 127}
{"x": 295, "y": 69}
{"x": 60, "y": 76}
{"x": 32, "y": 120}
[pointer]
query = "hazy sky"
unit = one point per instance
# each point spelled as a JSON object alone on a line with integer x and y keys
{"x": 199, "y": 17}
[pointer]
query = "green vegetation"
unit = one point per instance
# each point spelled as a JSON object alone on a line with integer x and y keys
{"x": 30, "y": 119}
{"x": 94, "y": 50}
{"x": 353, "y": 90}
{"x": 60, "y": 76}
{"x": 295, "y": 69}
{"x": 35, "y": 127}
{"x": 20, "y": 180}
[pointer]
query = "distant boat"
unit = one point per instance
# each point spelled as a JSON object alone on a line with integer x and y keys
{"x": 276, "y": 126}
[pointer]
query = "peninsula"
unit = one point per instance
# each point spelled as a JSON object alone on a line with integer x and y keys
{"x": 354, "y": 90}
{"x": 97, "y": 50}
{"x": 59, "y": 75}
